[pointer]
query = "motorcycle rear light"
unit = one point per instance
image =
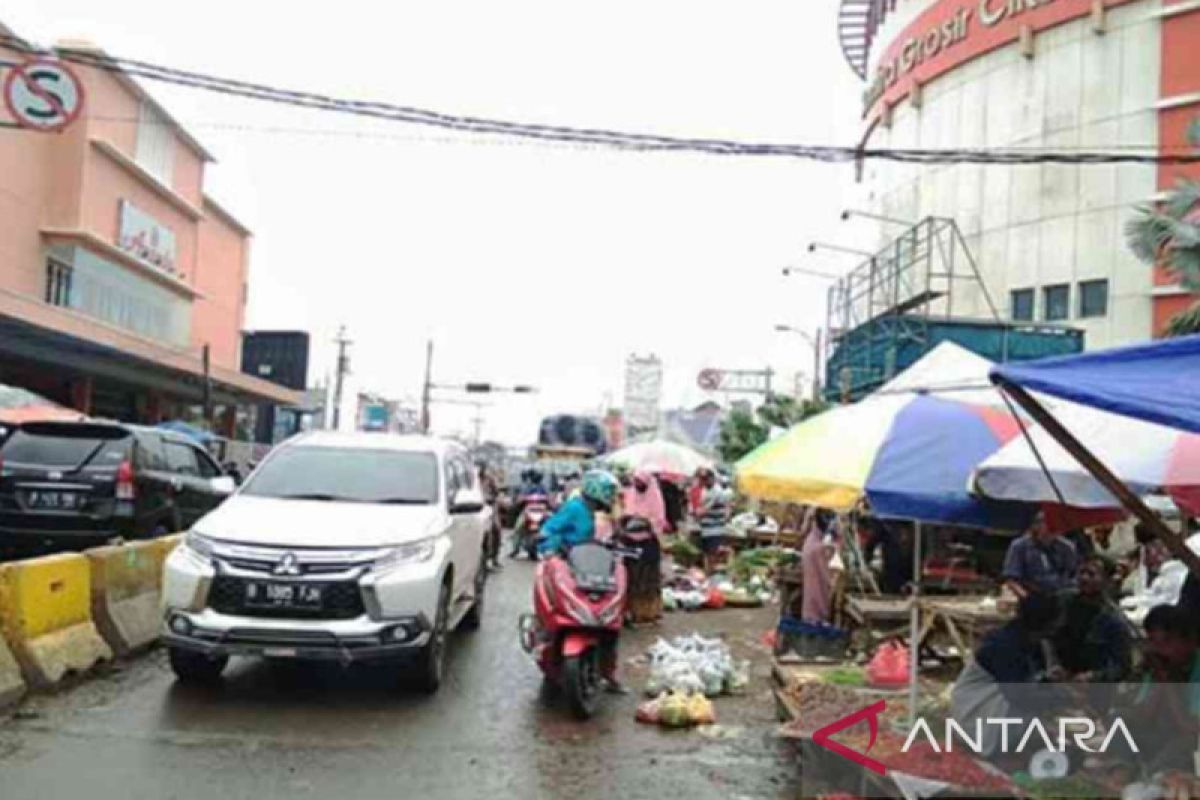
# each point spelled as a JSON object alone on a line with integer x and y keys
{"x": 125, "y": 486}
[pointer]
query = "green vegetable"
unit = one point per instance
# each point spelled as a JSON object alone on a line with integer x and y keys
{"x": 845, "y": 676}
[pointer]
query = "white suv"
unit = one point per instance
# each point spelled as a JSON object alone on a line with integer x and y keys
{"x": 344, "y": 547}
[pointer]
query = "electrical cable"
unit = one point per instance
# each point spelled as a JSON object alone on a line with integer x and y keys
{"x": 600, "y": 137}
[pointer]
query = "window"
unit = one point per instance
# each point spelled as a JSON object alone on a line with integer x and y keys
{"x": 150, "y": 453}
{"x": 1022, "y": 304}
{"x": 181, "y": 459}
{"x": 1093, "y": 298}
{"x": 72, "y": 446}
{"x": 208, "y": 467}
{"x": 1056, "y": 302}
{"x": 58, "y": 283}
{"x": 345, "y": 474}
{"x": 155, "y": 144}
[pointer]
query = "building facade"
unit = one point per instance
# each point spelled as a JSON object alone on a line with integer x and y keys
{"x": 1096, "y": 75}
{"x": 117, "y": 271}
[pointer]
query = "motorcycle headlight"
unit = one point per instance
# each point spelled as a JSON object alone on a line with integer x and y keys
{"x": 405, "y": 554}
{"x": 198, "y": 546}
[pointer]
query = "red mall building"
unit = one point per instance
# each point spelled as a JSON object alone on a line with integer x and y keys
{"x": 1094, "y": 75}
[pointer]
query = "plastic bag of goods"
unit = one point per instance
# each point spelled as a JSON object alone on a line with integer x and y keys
{"x": 712, "y": 675}
{"x": 700, "y": 710}
{"x": 738, "y": 678}
{"x": 669, "y": 600}
{"x": 648, "y": 712}
{"x": 889, "y": 666}
{"x": 673, "y": 711}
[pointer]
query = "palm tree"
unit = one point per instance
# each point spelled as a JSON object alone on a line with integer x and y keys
{"x": 1169, "y": 234}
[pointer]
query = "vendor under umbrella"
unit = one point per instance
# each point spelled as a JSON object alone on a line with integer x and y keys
{"x": 1093, "y": 643}
{"x": 1040, "y": 561}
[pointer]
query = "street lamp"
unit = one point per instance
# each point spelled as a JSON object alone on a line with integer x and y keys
{"x": 788, "y": 271}
{"x": 815, "y": 343}
{"x": 837, "y": 248}
{"x": 851, "y": 212}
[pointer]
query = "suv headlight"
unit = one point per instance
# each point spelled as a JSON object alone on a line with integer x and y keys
{"x": 198, "y": 547}
{"x": 405, "y": 554}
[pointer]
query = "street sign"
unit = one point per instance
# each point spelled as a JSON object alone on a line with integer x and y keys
{"x": 43, "y": 95}
{"x": 710, "y": 379}
{"x": 745, "y": 381}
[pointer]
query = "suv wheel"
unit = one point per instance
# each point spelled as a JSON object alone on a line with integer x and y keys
{"x": 431, "y": 660}
{"x": 191, "y": 667}
{"x": 473, "y": 619}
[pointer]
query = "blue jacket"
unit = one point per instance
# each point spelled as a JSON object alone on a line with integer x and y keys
{"x": 574, "y": 523}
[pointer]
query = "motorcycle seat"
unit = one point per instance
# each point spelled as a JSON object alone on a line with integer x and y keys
{"x": 593, "y": 567}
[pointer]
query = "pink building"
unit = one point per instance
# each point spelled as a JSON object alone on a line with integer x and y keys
{"x": 116, "y": 269}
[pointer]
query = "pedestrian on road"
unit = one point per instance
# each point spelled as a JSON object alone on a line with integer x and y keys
{"x": 714, "y": 508}
{"x": 643, "y": 522}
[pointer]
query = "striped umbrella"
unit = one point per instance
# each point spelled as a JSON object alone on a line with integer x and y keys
{"x": 910, "y": 454}
{"x": 1148, "y": 457}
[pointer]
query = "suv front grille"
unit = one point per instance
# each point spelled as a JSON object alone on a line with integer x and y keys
{"x": 340, "y": 600}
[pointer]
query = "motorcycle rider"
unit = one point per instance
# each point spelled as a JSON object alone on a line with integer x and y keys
{"x": 575, "y": 523}
{"x": 531, "y": 487}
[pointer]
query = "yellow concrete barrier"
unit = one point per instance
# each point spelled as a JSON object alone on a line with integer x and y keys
{"x": 12, "y": 685}
{"x": 164, "y": 545}
{"x": 124, "y": 594}
{"x": 46, "y": 615}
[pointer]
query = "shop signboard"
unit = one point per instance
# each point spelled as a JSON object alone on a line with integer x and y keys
{"x": 145, "y": 238}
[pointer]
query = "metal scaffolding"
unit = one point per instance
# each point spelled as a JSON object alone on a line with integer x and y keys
{"x": 886, "y": 304}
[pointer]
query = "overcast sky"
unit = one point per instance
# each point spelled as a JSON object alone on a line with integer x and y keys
{"x": 534, "y": 264}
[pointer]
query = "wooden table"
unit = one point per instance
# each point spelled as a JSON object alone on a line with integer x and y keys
{"x": 963, "y": 618}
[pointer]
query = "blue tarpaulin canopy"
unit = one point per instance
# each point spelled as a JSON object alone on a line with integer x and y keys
{"x": 1159, "y": 382}
{"x": 198, "y": 435}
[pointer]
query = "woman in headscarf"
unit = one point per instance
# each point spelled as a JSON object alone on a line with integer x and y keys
{"x": 818, "y": 576}
{"x": 644, "y": 520}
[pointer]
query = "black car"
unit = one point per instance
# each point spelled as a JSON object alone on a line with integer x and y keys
{"x": 71, "y": 485}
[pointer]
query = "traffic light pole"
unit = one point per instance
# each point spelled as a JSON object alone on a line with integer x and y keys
{"x": 428, "y": 387}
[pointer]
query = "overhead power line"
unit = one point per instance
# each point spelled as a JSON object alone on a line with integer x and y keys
{"x": 600, "y": 137}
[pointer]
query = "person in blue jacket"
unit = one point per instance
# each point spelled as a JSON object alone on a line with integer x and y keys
{"x": 575, "y": 522}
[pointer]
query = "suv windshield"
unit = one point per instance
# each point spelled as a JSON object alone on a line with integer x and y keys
{"x": 67, "y": 447}
{"x": 348, "y": 474}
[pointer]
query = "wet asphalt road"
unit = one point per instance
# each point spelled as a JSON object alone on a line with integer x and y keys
{"x": 293, "y": 731}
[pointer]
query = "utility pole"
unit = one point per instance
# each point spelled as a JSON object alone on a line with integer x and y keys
{"x": 816, "y": 387}
{"x": 206, "y": 363}
{"x": 478, "y": 420}
{"x": 428, "y": 387}
{"x": 343, "y": 368}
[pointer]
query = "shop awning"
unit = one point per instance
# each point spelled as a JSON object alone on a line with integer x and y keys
{"x": 1158, "y": 382}
{"x": 42, "y": 333}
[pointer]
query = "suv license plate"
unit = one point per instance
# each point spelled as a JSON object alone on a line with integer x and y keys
{"x": 302, "y": 596}
{"x": 38, "y": 500}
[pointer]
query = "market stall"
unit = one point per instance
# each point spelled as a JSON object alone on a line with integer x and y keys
{"x": 906, "y": 453}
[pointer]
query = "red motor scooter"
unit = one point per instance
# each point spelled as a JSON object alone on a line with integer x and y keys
{"x": 579, "y": 609}
{"x": 535, "y": 509}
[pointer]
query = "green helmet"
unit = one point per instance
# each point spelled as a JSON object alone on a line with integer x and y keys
{"x": 600, "y": 487}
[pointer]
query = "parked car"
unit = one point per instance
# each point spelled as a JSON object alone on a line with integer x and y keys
{"x": 71, "y": 485}
{"x": 339, "y": 546}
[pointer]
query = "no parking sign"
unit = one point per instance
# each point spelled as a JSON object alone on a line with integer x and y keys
{"x": 43, "y": 94}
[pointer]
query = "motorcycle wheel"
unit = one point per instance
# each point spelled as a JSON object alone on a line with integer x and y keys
{"x": 581, "y": 682}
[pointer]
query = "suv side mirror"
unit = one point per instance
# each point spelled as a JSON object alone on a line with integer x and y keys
{"x": 223, "y": 485}
{"x": 467, "y": 501}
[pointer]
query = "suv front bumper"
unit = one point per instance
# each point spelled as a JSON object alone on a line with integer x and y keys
{"x": 345, "y": 641}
